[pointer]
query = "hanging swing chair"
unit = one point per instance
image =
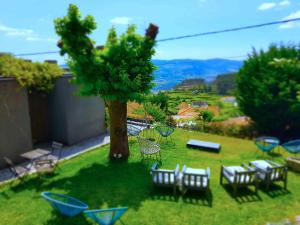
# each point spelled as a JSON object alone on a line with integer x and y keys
{"x": 65, "y": 204}
{"x": 106, "y": 216}
{"x": 266, "y": 144}
{"x": 292, "y": 146}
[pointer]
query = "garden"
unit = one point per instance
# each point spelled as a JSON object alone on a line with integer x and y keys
{"x": 100, "y": 183}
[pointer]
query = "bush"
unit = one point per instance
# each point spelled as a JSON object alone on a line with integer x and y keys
{"x": 206, "y": 115}
{"x": 268, "y": 86}
{"x": 156, "y": 112}
{"x": 240, "y": 131}
{"x": 33, "y": 76}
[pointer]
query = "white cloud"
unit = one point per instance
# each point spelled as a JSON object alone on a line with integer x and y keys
{"x": 121, "y": 20}
{"x": 294, "y": 24}
{"x": 27, "y": 34}
{"x": 285, "y": 3}
{"x": 267, "y": 5}
{"x": 11, "y": 31}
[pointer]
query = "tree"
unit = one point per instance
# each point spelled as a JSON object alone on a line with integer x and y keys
{"x": 119, "y": 71}
{"x": 206, "y": 115}
{"x": 160, "y": 99}
{"x": 267, "y": 89}
{"x": 225, "y": 83}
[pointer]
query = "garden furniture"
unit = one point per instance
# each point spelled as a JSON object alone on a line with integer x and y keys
{"x": 293, "y": 163}
{"x": 35, "y": 155}
{"x": 133, "y": 130}
{"x": 50, "y": 161}
{"x": 239, "y": 176}
{"x": 106, "y": 216}
{"x": 65, "y": 204}
{"x": 164, "y": 131}
{"x": 195, "y": 179}
{"x": 165, "y": 178}
{"x": 209, "y": 146}
{"x": 148, "y": 148}
{"x": 269, "y": 172}
{"x": 292, "y": 146}
{"x": 266, "y": 144}
{"x": 17, "y": 170}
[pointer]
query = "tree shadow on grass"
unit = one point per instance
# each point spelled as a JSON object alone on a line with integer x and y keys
{"x": 198, "y": 198}
{"x": 110, "y": 185}
{"x": 244, "y": 194}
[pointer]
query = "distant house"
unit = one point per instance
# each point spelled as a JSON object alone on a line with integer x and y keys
{"x": 201, "y": 104}
{"x": 183, "y": 105}
{"x": 230, "y": 99}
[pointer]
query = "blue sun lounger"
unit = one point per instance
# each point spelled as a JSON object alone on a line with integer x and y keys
{"x": 209, "y": 146}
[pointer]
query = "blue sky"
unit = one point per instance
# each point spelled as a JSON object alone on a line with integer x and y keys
{"x": 27, "y": 26}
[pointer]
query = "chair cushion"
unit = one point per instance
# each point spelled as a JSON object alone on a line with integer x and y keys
{"x": 229, "y": 173}
{"x": 163, "y": 178}
{"x": 261, "y": 164}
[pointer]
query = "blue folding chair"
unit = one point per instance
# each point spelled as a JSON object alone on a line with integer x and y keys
{"x": 292, "y": 146}
{"x": 106, "y": 216}
{"x": 266, "y": 144}
{"x": 65, "y": 204}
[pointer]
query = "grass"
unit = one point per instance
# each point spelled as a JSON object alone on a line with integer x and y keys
{"x": 91, "y": 178}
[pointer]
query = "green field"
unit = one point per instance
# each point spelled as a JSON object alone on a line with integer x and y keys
{"x": 91, "y": 178}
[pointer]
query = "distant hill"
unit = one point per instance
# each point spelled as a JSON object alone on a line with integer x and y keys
{"x": 172, "y": 72}
{"x": 189, "y": 83}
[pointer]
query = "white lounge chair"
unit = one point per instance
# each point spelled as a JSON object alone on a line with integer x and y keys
{"x": 238, "y": 176}
{"x": 195, "y": 179}
{"x": 165, "y": 178}
{"x": 269, "y": 172}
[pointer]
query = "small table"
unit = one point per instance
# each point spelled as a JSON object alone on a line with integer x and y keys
{"x": 35, "y": 154}
{"x": 210, "y": 146}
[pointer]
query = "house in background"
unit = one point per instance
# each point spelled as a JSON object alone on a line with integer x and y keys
{"x": 200, "y": 104}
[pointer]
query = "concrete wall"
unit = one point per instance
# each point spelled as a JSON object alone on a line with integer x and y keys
{"x": 15, "y": 131}
{"x": 74, "y": 118}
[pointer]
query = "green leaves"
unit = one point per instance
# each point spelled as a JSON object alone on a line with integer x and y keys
{"x": 268, "y": 87}
{"x": 33, "y": 76}
{"x": 120, "y": 70}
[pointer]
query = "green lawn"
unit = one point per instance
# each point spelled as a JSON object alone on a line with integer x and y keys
{"x": 91, "y": 178}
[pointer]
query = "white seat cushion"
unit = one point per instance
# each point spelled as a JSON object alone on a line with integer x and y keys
{"x": 261, "y": 164}
{"x": 229, "y": 173}
{"x": 163, "y": 178}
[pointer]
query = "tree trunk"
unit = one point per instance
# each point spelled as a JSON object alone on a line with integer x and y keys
{"x": 118, "y": 130}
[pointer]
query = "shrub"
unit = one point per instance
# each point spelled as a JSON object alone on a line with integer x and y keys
{"x": 206, "y": 115}
{"x": 33, "y": 76}
{"x": 268, "y": 86}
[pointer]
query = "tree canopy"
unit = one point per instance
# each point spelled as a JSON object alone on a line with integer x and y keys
{"x": 119, "y": 70}
{"x": 268, "y": 90}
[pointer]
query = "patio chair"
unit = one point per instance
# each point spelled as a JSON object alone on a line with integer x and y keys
{"x": 148, "y": 148}
{"x": 292, "y": 146}
{"x": 239, "y": 176}
{"x": 106, "y": 216}
{"x": 164, "y": 131}
{"x": 133, "y": 130}
{"x": 49, "y": 162}
{"x": 195, "y": 179}
{"x": 165, "y": 178}
{"x": 269, "y": 172}
{"x": 66, "y": 205}
{"x": 266, "y": 144}
{"x": 17, "y": 170}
